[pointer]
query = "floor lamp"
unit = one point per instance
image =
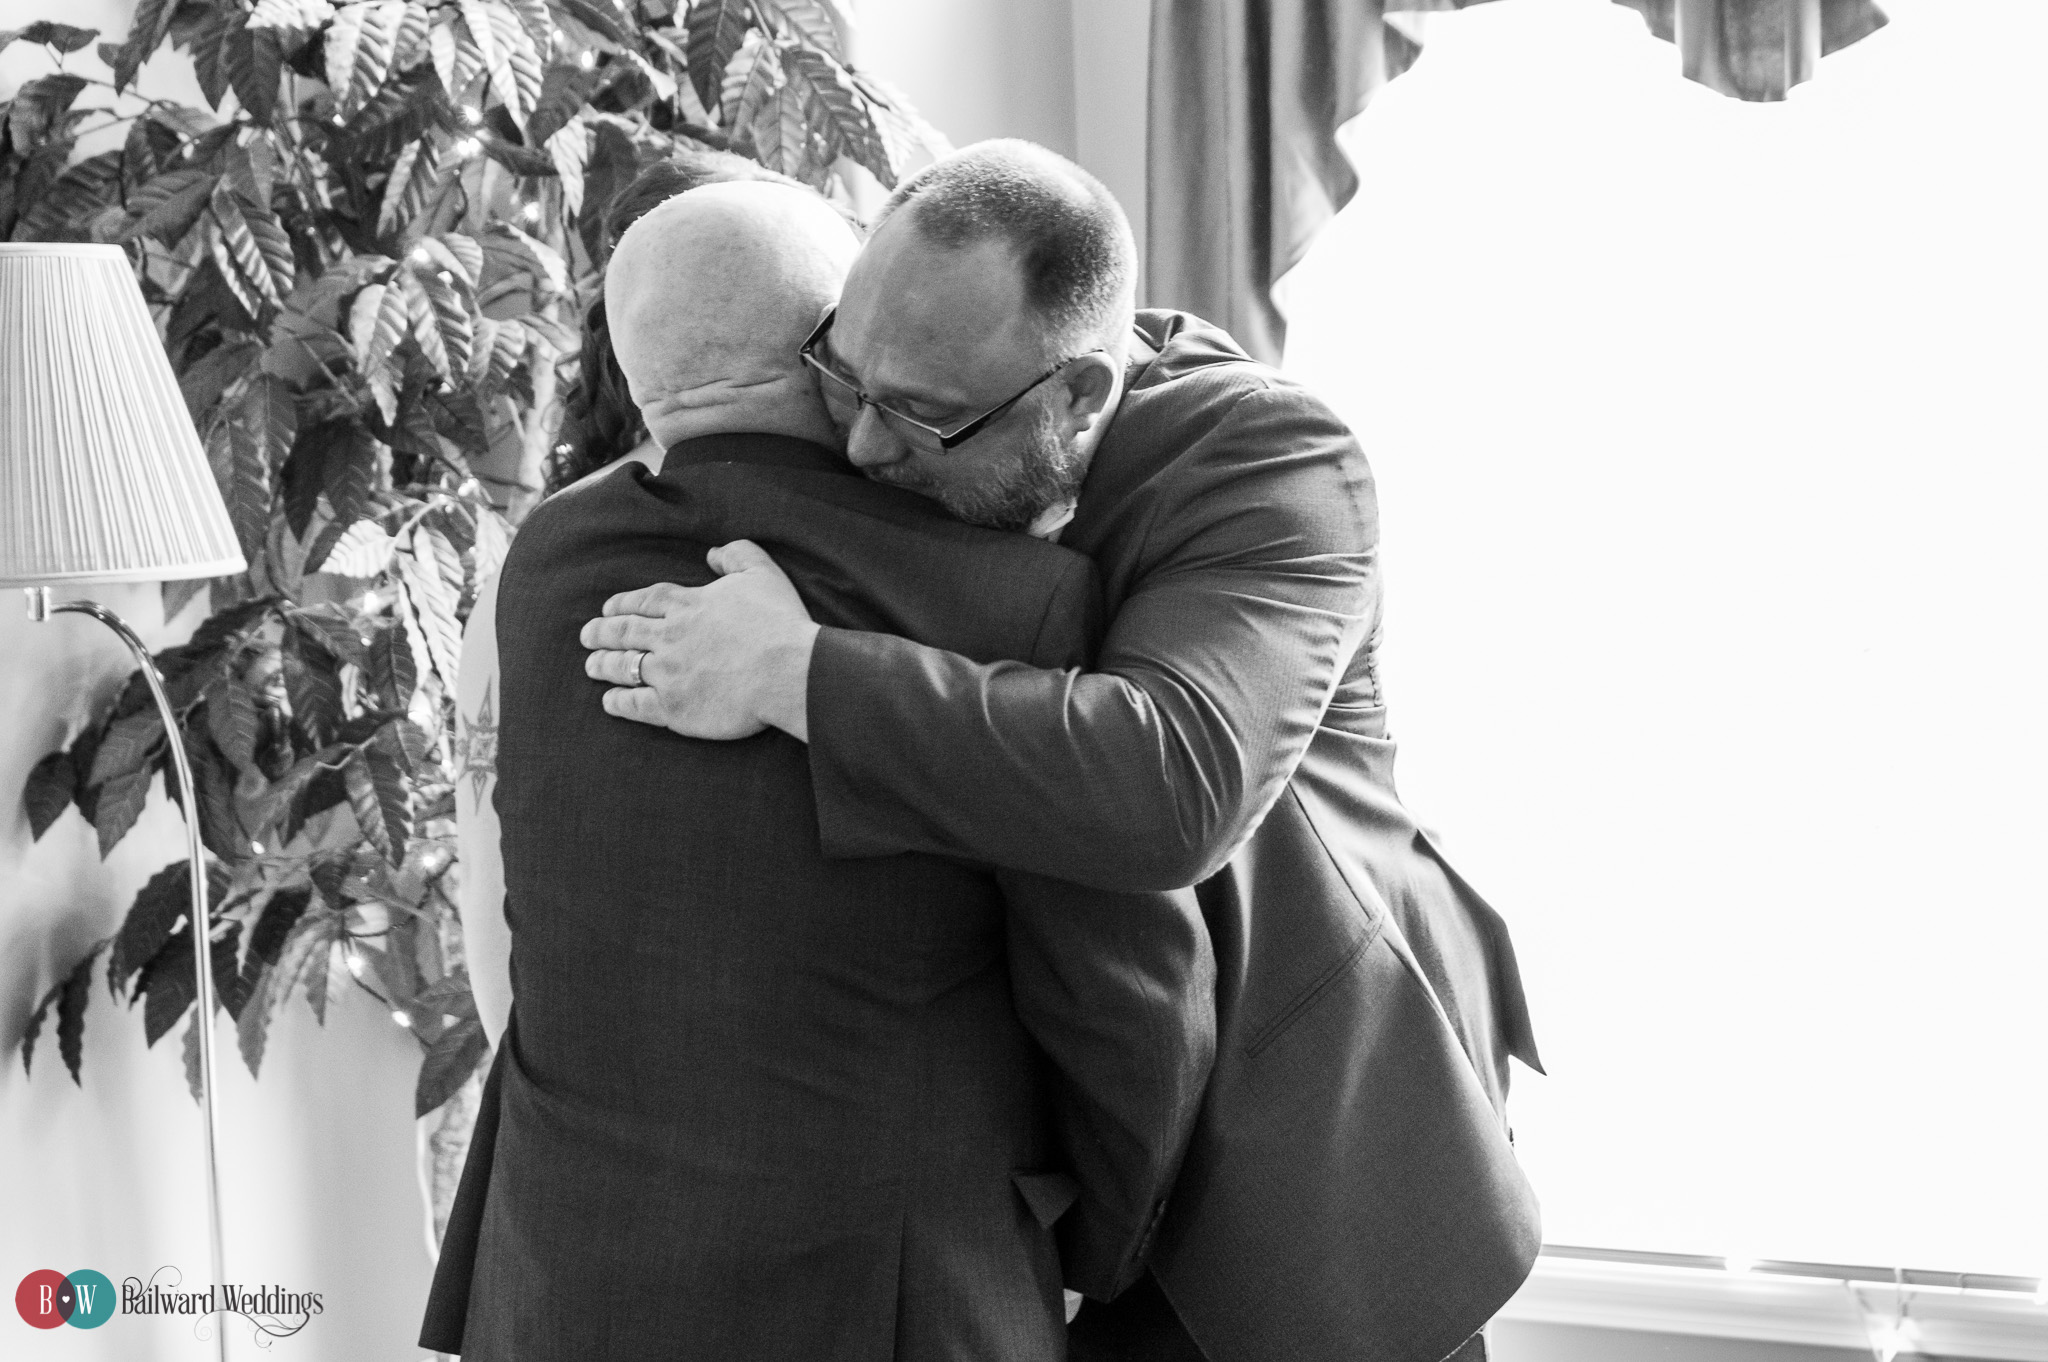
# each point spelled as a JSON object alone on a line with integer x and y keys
{"x": 102, "y": 479}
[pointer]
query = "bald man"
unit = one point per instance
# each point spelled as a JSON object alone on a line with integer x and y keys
{"x": 749, "y": 1102}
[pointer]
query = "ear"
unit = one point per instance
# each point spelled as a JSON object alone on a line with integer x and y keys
{"x": 1089, "y": 382}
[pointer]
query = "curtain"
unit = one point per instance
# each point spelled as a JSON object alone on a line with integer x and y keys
{"x": 1246, "y": 96}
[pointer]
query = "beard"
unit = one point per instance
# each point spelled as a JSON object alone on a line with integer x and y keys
{"x": 1042, "y": 471}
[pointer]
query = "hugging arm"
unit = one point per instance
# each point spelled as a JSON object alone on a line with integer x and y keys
{"x": 1256, "y": 587}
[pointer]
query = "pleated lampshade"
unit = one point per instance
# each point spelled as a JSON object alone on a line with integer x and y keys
{"x": 102, "y": 477}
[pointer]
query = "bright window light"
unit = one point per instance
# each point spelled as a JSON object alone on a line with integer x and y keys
{"x": 1712, "y": 444}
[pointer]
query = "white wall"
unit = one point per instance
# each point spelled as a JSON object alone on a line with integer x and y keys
{"x": 317, "y": 1158}
{"x": 1067, "y": 74}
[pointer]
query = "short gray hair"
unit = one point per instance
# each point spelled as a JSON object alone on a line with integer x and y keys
{"x": 1073, "y": 243}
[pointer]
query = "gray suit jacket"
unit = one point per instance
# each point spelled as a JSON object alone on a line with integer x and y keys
{"x": 758, "y": 1103}
{"x": 1350, "y": 1192}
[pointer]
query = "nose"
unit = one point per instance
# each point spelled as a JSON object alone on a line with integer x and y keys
{"x": 871, "y": 444}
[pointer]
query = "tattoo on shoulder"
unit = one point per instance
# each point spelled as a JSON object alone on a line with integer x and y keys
{"x": 477, "y": 747}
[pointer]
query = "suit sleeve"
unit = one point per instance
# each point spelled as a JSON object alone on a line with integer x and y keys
{"x": 1256, "y": 583}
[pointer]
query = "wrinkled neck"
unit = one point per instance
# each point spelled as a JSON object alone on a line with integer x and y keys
{"x": 782, "y": 405}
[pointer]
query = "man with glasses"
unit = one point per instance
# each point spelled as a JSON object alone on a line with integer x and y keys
{"x": 1350, "y": 1191}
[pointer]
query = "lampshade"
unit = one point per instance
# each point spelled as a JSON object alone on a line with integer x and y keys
{"x": 102, "y": 477}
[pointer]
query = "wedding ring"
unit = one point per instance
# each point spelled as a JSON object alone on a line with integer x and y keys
{"x": 639, "y": 656}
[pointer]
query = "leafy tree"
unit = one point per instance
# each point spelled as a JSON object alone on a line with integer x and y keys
{"x": 368, "y": 261}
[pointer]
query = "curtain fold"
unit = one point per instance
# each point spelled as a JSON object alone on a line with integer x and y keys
{"x": 1246, "y": 96}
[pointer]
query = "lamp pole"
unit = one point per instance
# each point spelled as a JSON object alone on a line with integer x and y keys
{"x": 39, "y": 610}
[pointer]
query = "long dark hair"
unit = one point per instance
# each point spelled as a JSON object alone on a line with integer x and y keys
{"x": 599, "y": 421}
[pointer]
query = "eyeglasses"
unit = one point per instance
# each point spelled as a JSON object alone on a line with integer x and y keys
{"x": 846, "y": 399}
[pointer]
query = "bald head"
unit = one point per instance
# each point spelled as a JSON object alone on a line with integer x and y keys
{"x": 710, "y": 294}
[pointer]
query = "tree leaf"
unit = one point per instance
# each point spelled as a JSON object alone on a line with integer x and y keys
{"x": 159, "y": 907}
{"x": 131, "y": 744}
{"x": 569, "y": 148}
{"x": 364, "y": 550}
{"x": 566, "y": 87}
{"x": 252, "y": 1028}
{"x": 261, "y": 430}
{"x": 717, "y": 29}
{"x": 167, "y": 987}
{"x": 274, "y": 243}
{"x": 167, "y": 207}
{"x": 65, "y": 211}
{"x": 361, "y": 42}
{"x": 116, "y": 806}
{"x": 253, "y": 57}
{"x": 233, "y": 721}
{"x": 468, "y": 253}
{"x": 34, "y": 1028}
{"x": 423, "y": 323}
{"x": 377, "y": 793}
{"x": 817, "y": 22}
{"x": 451, "y": 317}
{"x": 213, "y": 786}
{"x": 206, "y": 45}
{"x": 449, "y": 994}
{"x": 205, "y": 379}
{"x": 145, "y": 34}
{"x": 71, "y": 1003}
{"x": 241, "y": 261}
{"x": 51, "y": 783}
{"x": 420, "y": 558}
{"x": 414, "y": 177}
{"x": 305, "y": 471}
{"x": 752, "y": 75}
{"x": 409, "y": 45}
{"x": 39, "y": 107}
{"x": 318, "y": 975}
{"x": 333, "y": 628}
{"x": 229, "y": 987}
{"x": 274, "y": 925}
{"x": 496, "y": 35}
{"x": 302, "y": 14}
{"x": 391, "y": 673}
{"x": 313, "y": 687}
{"x": 449, "y": 1062}
{"x": 349, "y": 475}
{"x": 63, "y": 37}
{"x": 310, "y": 934}
{"x": 377, "y": 322}
{"x": 356, "y": 51}
{"x": 193, "y": 1066}
{"x": 841, "y": 112}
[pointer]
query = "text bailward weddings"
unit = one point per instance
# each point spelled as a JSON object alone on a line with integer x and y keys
{"x": 151, "y": 1299}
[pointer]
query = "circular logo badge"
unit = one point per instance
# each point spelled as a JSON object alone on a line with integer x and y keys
{"x": 44, "y": 1298}
{"x": 92, "y": 1299}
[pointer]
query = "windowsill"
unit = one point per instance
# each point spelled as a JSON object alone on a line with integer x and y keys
{"x": 2005, "y": 1325}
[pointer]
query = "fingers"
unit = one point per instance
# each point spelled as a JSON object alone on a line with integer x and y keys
{"x": 639, "y": 704}
{"x": 648, "y": 600}
{"x": 741, "y": 555}
{"x": 622, "y": 631}
{"x": 616, "y": 666}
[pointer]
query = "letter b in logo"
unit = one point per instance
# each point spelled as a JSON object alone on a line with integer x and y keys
{"x": 46, "y": 1299}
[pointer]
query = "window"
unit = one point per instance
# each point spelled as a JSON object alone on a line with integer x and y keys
{"x": 1712, "y": 442}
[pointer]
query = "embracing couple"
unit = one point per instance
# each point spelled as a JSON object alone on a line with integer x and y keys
{"x": 949, "y": 843}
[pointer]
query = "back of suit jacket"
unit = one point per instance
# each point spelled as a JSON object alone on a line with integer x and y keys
{"x": 756, "y": 1103}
